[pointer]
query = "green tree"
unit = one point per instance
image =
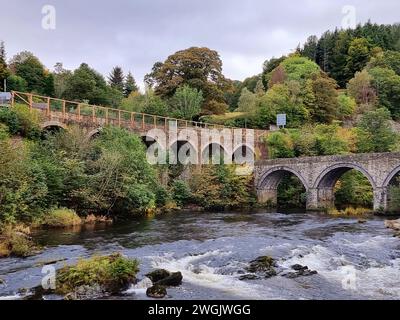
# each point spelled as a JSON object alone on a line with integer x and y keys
{"x": 130, "y": 85}
{"x": 200, "y": 68}
{"x": 374, "y": 133}
{"x": 116, "y": 79}
{"x": 16, "y": 83}
{"x": 61, "y": 78}
{"x": 268, "y": 67}
{"x": 218, "y": 187}
{"x": 328, "y": 141}
{"x": 259, "y": 90}
{"x": 28, "y": 67}
{"x": 4, "y": 72}
{"x": 22, "y": 183}
{"x": 49, "y": 87}
{"x": 354, "y": 189}
{"x": 310, "y": 48}
{"x": 280, "y": 145}
{"x": 299, "y": 68}
{"x": 154, "y": 104}
{"x": 387, "y": 59}
{"x": 87, "y": 84}
{"x": 387, "y": 84}
{"x": 122, "y": 179}
{"x": 325, "y": 105}
{"x": 134, "y": 102}
{"x": 247, "y": 102}
{"x": 361, "y": 89}
{"x": 280, "y": 99}
{"x": 346, "y": 107}
{"x": 358, "y": 55}
{"x": 186, "y": 102}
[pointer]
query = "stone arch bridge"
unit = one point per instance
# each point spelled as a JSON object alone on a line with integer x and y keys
{"x": 196, "y": 139}
{"x": 320, "y": 174}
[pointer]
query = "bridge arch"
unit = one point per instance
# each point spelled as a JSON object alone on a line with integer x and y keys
{"x": 323, "y": 191}
{"x": 267, "y": 186}
{"x": 94, "y": 133}
{"x": 242, "y": 153}
{"x": 330, "y": 176}
{"x": 390, "y": 177}
{"x": 271, "y": 178}
{"x": 208, "y": 156}
{"x": 183, "y": 151}
{"x": 48, "y": 125}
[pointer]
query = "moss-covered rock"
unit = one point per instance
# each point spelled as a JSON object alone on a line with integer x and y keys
{"x": 112, "y": 274}
{"x": 263, "y": 264}
{"x": 156, "y": 292}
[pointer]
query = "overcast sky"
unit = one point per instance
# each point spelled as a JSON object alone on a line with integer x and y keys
{"x": 136, "y": 33}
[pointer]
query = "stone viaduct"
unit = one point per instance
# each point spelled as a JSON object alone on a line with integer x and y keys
{"x": 320, "y": 174}
{"x": 197, "y": 140}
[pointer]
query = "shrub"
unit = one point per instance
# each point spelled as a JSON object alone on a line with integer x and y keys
{"x": 23, "y": 186}
{"x": 120, "y": 179}
{"x": 9, "y": 118}
{"x": 218, "y": 187}
{"x": 4, "y": 131}
{"x": 20, "y": 120}
{"x": 15, "y": 241}
{"x": 181, "y": 192}
{"x": 280, "y": 145}
{"x": 350, "y": 211}
{"x": 61, "y": 218}
{"x": 111, "y": 272}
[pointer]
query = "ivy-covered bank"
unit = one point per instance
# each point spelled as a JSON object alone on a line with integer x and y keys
{"x": 107, "y": 176}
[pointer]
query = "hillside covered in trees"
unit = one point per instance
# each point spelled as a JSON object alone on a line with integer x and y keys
{"x": 341, "y": 94}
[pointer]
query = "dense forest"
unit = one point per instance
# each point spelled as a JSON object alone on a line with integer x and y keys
{"x": 341, "y": 94}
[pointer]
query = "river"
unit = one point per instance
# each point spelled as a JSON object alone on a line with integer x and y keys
{"x": 354, "y": 260}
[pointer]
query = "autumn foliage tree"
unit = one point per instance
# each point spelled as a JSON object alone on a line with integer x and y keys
{"x": 200, "y": 68}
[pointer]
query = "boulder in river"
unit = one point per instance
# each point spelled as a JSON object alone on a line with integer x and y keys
{"x": 156, "y": 292}
{"x": 393, "y": 224}
{"x": 158, "y": 275}
{"x": 299, "y": 267}
{"x": 300, "y": 271}
{"x": 263, "y": 264}
{"x": 250, "y": 276}
{"x": 173, "y": 280}
{"x": 165, "y": 278}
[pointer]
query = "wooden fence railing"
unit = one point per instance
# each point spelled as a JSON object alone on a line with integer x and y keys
{"x": 64, "y": 110}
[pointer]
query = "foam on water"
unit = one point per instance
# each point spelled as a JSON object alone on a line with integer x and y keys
{"x": 196, "y": 270}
